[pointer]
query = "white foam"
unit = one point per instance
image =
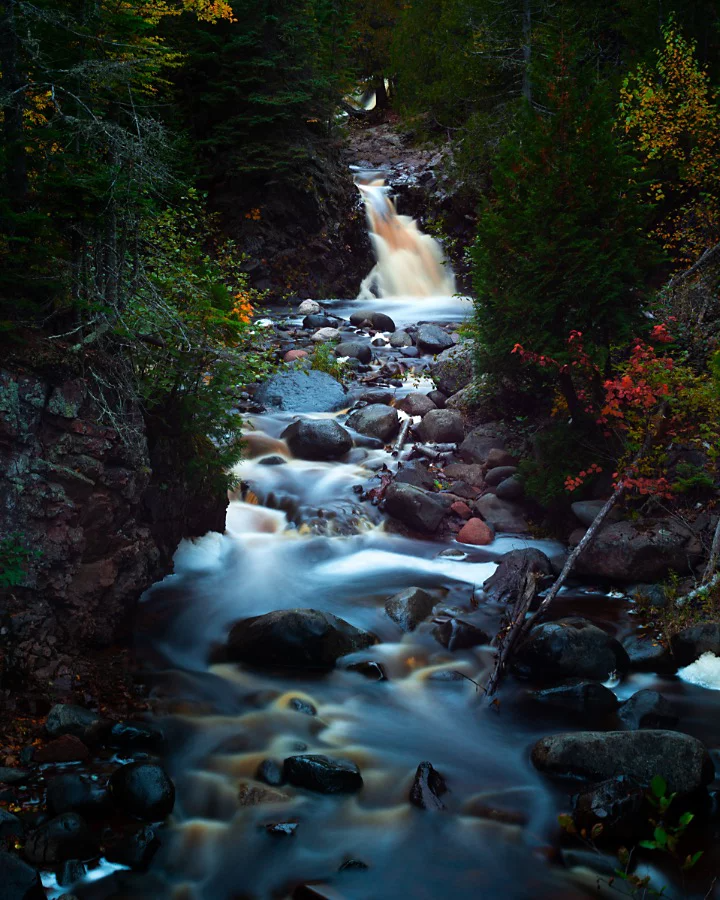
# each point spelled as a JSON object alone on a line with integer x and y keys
{"x": 704, "y": 672}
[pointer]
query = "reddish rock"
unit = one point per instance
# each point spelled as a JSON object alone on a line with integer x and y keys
{"x": 461, "y": 509}
{"x": 292, "y": 355}
{"x": 475, "y": 531}
{"x": 67, "y": 748}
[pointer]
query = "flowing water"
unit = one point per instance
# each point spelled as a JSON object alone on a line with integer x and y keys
{"x": 307, "y": 541}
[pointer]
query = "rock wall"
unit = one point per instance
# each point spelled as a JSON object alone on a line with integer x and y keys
{"x": 103, "y": 510}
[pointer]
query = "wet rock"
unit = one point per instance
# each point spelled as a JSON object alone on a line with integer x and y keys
{"x": 647, "y": 709}
{"x": 295, "y": 638}
{"x": 90, "y": 727}
{"x": 510, "y": 489}
{"x": 135, "y": 850}
{"x": 648, "y": 594}
{"x": 70, "y": 872}
{"x": 481, "y": 440}
{"x": 67, "y": 748}
{"x": 376, "y": 420}
{"x": 427, "y": 788}
{"x": 19, "y": 880}
{"x": 298, "y": 391}
{"x": 326, "y": 335}
{"x": 353, "y": 864}
{"x": 453, "y": 369}
{"x": 441, "y": 426}
{"x": 377, "y": 396}
{"x": 415, "y": 404}
{"x": 271, "y": 772}
{"x": 690, "y": 643}
{"x": 438, "y": 398}
{"x": 569, "y": 648}
{"x": 10, "y": 826}
{"x": 143, "y": 790}
{"x": 410, "y": 352}
{"x": 410, "y": 607}
{"x": 467, "y": 472}
{"x": 648, "y": 655}
{"x": 64, "y": 837}
{"x": 132, "y": 736}
{"x": 477, "y": 532}
{"x": 587, "y": 697}
{"x": 354, "y": 350}
{"x": 623, "y": 551}
{"x": 317, "y": 320}
{"x": 681, "y": 760}
{"x": 369, "y": 669}
{"x": 381, "y": 322}
{"x": 617, "y": 804}
{"x": 272, "y": 461}
{"x": 254, "y": 794}
{"x": 309, "y": 308}
{"x": 416, "y": 473}
{"x": 416, "y": 508}
{"x": 458, "y": 635}
{"x": 400, "y": 339}
{"x": 493, "y": 477}
{"x": 302, "y": 706}
{"x": 503, "y": 515}
{"x": 361, "y": 317}
{"x": 432, "y": 339}
{"x": 14, "y": 776}
{"x": 282, "y": 829}
{"x": 317, "y": 439}
{"x": 503, "y": 585}
{"x": 322, "y": 774}
{"x": 77, "y": 793}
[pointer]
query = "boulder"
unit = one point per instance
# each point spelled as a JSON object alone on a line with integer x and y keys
{"x": 438, "y": 398}
{"x": 481, "y": 440}
{"x": 11, "y": 828}
{"x": 309, "y": 308}
{"x": 465, "y": 400}
{"x": 317, "y": 320}
{"x": 410, "y": 352}
{"x": 585, "y": 511}
{"x": 647, "y": 709}
{"x": 410, "y": 607}
{"x": 64, "y": 837}
{"x": 416, "y": 508}
{"x": 502, "y": 515}
{"x": 618, "y": 804}
{"x": 433, "y": 339}
{"x": 467, "y": 472}
{"x": 360, "y": 317}
{"x": 301, "y": 391}
{"x": 427, "y": 788}
{"x": 89, "y": 727}
{"x": 381, "y": 322}
{"x": 453, "y": 369}
{"x": 502, "y": 586}
{"x": 454, "y": 634}
{"x": 648, "y": 551}
{"x": 354, "y": 350}
{"x": 511, "y": 489}
{"x": 648, "y": 655}
{"x": 690, "y": 643}
{"x": 319, "y": 439}
{"x": 649, "y": 595}
{"x": 143, "y": 790}
{"x": 416, "y": 473}
{"x": 328, "y": 333}
{"x": 400, "y": 339}
{"x": 135, "y": 850}
{"x": 67, "y": 748}
{"x": 70, "y": 872}
{"x": 376, "y": 421}
{"x": 322, "y": 774}
{"x": 441, "y": 426}
{"x": 493, "y": 477}
{"x": 497, "y": 458}
{"x": 19, "y": 880}
{"x": 77, "y": 793}
{"x": 587, "y": 697}
{"x": 415, "y": 404}
{"x": 569, "y": 648}
{"x": 681, "y": 760}
{"x": 295, "y": 638}
{"x": 476, "y": 532}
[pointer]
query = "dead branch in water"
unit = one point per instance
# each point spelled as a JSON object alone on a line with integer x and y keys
{"x": 402, "y": 437}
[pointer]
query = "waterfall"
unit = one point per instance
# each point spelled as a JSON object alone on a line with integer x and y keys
{"x": 409, "y": 263}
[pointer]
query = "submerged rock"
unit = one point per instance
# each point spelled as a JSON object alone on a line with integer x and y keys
{"x": 271, "y": 772}
{"x": 648, "y": 709}
{"x": 458, "y": 635}
{"x": 427, "y": 788}
{"x": 681, "y": 760}
{"x": 302, "y": 391}
{"x": 64, "y": 837}
{"x": 410, "y": 607}
{"x": 375, "y": 420}
{"x": 317, "y": 439}
{"x": 316, "y": 772}
{"x": 587, "y": 697}
{"x": 295, "y": 638}
{"x": 143, "y": 790}
{"x": 416, "y": 508}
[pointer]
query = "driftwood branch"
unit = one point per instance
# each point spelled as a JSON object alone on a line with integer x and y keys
{"x": 709, "y": 256}
{"x": 699, "y": 591}
{"x": 402, "y": 437}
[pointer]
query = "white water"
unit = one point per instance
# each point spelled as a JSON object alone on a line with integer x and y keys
{"x": 704, "y": 672}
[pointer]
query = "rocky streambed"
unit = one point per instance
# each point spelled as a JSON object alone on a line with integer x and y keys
{"x": 319, "y": 727}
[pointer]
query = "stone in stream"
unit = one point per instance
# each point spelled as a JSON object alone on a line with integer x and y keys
{"x": 133, "y": 736}
{"x": 295, "y": 638}
{"x": 681, "y": 760}
{"x": 281, "y": 829}
{"x": 70, "y": 872}
{"x": 647, "y": 709}
{"x": 511, "y": 488}
{"x": 441, "y": 426}
{"x": 309, "y": 308}
{"x": 10, "y": 775}
{"x": 381, "y": 322}
{"x": 67, "y": 748}
{"x": 502, "y": 515}
{"x": 77, "y": 793}
{"x": 354, "y": 350}
{"x": 301, "y": 391}
{"x": 317, "y": 439}
{"x": 690, "y": 643}
{"x": 369, "y": 669}
{"x": 493, "y": 477}
{"x": 416, "y": 473}
{"x": 648, "y": 655}
{"x": 569, "y": 648}
{"x": 271, "y": 772}
{"x": 587, "y": 697}
{"x": 360, "y": 317}
{"x": 143, "y": 790}
{"x": 438, "y": 398}
{"x": 416, "y": 508}
{"x": 427, "y": 788}
{"x": 400, "y": 339}
{"x": 19, "y": 880}
{"x": 324, "y": 335}
{"x": 10, "y": 826}
{"x": 415, "y": 404}
{"x": 409, "y": 608}
{"x": 477, "y": 445}
{"x": 297, "y": 704}
{"x": 64, "y": 837}
{"x": 467, "y": 472}
{"x": 375, "y": 420}
{"x": 476, "y": 532}
{"x": 90, "y": 727}
{"x": 254, "y": 794}
{"x": 294, "y": 355}
{"x": 433, "y": 339}
{"x": 458, "y": 635}
{"x": 453, "y": 368}
{"x": 319, "y": 773}
{"x": 135, "y": 850}
{"x": 618, "y": 804}
{"x": 317, "y": 320}
{"x": 410, "y": 352}
{"x": 503, "y": 585}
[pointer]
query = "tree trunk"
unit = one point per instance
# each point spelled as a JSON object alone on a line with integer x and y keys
{"x": 382, "y": 101}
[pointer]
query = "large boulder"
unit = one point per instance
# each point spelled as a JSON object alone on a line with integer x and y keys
{"x": 19, "y": 880}
{"x": 322, "y": 774}
{"x": 400, "y": 339}
{"x": 64, "y": 837}
{"x": 441, "y": 426}
{"x": 375, "y": 420}
{"x": 569, "y": 648}
{"x": 502, "y": 515}
{"x": 623, "y": 551}
{"x": 410, "y": 607}
{"x": 415, "y": 404}
{"x": 90, "y": 727}
{"x": 453, "y": 369}
{"x": 416, "y": 473}
{"x": 505, "y": 582}
{"x": 648, "y": 709}
{"x": 432, "y": 339}
{"x": 681, "y": 760}
{"x": 143, "y": 790}
{"x": 295, "y": 638}
{"x": 477, "y": 445}
{"x": 302, "y": 391}
{"x": 415, "y": 507}
{"x": 317, "y": 439}
{"x": 76, "y": 793}
{"x": 690, "y": 643}
{"x": 649, "y": 655}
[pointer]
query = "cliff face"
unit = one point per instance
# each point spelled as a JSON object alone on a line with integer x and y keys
{"x": 103, "y": 510}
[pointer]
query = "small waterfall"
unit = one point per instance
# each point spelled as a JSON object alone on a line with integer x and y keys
{"x": 409, "y": 263}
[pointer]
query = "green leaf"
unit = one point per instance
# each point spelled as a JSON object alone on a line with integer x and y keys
{"x": 685, "y": 819}
{"x": 691, "y": 860}
{"x": 661, "y": 836}
{"x": 566, "y": 823}
{"x": 648, "y": 845}
{"x": 597, "y": 830}
{"x": 658, "y": 786}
